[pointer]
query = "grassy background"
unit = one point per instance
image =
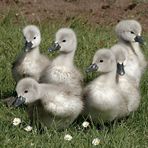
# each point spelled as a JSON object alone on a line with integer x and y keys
{"x": 129, "y": 133}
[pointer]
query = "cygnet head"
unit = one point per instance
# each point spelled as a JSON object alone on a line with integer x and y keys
{"x": 32, "y": 37}
{"x": 129, "y": 31}
{"x": 27, "y": 91}
{"x": 104, "y": 61}
{"x": 65, "y": 41}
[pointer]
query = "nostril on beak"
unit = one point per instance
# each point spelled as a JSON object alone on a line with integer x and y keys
{"x": 91, "y": 68}
{"x": 139, "y": 39}
{"x": 54, "y": 47}
{"x": 28, "y": 46}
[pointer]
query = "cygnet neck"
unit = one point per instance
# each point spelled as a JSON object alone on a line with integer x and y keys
{"x": 65, "y": 59}
{"x": 34, "y": 52}
{"x": 133, "y": 45}
{"x": 108, "y": 78}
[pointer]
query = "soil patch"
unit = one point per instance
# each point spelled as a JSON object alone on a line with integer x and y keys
{"x": 102, "y": 12}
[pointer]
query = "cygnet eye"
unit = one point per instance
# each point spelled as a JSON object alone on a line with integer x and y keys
{"x": 132, "y": 32}
{"x": 26, "y": 91}
{"x": 64, "y": 41}
{"x": 101, "y": 61}
{"x": 34, "y": 38}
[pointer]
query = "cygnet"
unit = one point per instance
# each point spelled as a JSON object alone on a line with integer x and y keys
{"x": 62, "y": 69}
{"x": 59, "y": 106}
{"x": 104, "y": 100}
{"x": 30, "y": 63}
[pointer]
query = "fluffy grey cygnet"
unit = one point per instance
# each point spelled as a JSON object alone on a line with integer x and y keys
{"x": 59, "y": 106}
{"x": 129, "y": 35}
{"x": 126, "y": 83}
{"x": 62, "y": 69}
{"x": 30, "y": 63}
{"x": 104, "y": 99}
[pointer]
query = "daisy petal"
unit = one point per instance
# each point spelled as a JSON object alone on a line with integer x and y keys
{"x": 96, "y": 141}
{"x": 16, "y": 121}
{"x": 28, "y": 128}
{"x": 68, "y": 137}
{"x": 85, "y": 124}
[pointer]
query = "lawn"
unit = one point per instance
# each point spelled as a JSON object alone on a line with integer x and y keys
{"x": 129, "y": 133}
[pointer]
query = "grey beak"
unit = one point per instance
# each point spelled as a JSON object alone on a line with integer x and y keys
{"x": 92, "y": 67}
{"x": 54, "y": 47}
{"x": 120, "y": 69}
{"x": 139, "y": 39}
{"x": 28, "y": 46}
{"x": 19, "y": 101}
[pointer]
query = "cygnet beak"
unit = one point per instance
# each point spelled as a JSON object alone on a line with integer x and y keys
{"x": 19, "y": 101}
{"x": 92, "y": 67}
{"x": 28, "y": 46}
{"x": 139, "y": 39}
{"x": 120, "y": 69}
{"x": 54, "y": 47}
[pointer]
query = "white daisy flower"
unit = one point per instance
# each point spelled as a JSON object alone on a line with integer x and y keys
{"x": 85, "y": 124}
{"x": 16, "y": 121}
{"x": 28, "y": 128}
{"x": 68, "y": 137}
{"x": 32, "y": 144}
{"x": 96, "y": 141}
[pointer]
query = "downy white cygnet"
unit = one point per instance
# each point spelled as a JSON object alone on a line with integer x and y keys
{"x": 62, "y": 69}
{"x": 30, "y": 63}
{"x": 104, "y": 100}
{"x": 129, "y": 35}
{"x": 59, "y": 106}
{"x": 126, "y": 83}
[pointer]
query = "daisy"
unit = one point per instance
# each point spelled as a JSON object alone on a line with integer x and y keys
{"x": 68, "y": 137}
{"x": 16, "y": 121}
{"x": 85, "y": 124}
{"x": 28, "y": 128}
{"x": 96, "y": 141}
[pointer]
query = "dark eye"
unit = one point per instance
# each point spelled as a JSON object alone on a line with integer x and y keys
{"x": 26, "y": 91}
{"x": 64, "y": 41}
{"x": 132, "y": 32}
{"x": 101, "y": 61}
{"x": 34, "y": 37}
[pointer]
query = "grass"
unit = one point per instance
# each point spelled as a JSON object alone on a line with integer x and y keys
{"x": 129, "y": 133}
